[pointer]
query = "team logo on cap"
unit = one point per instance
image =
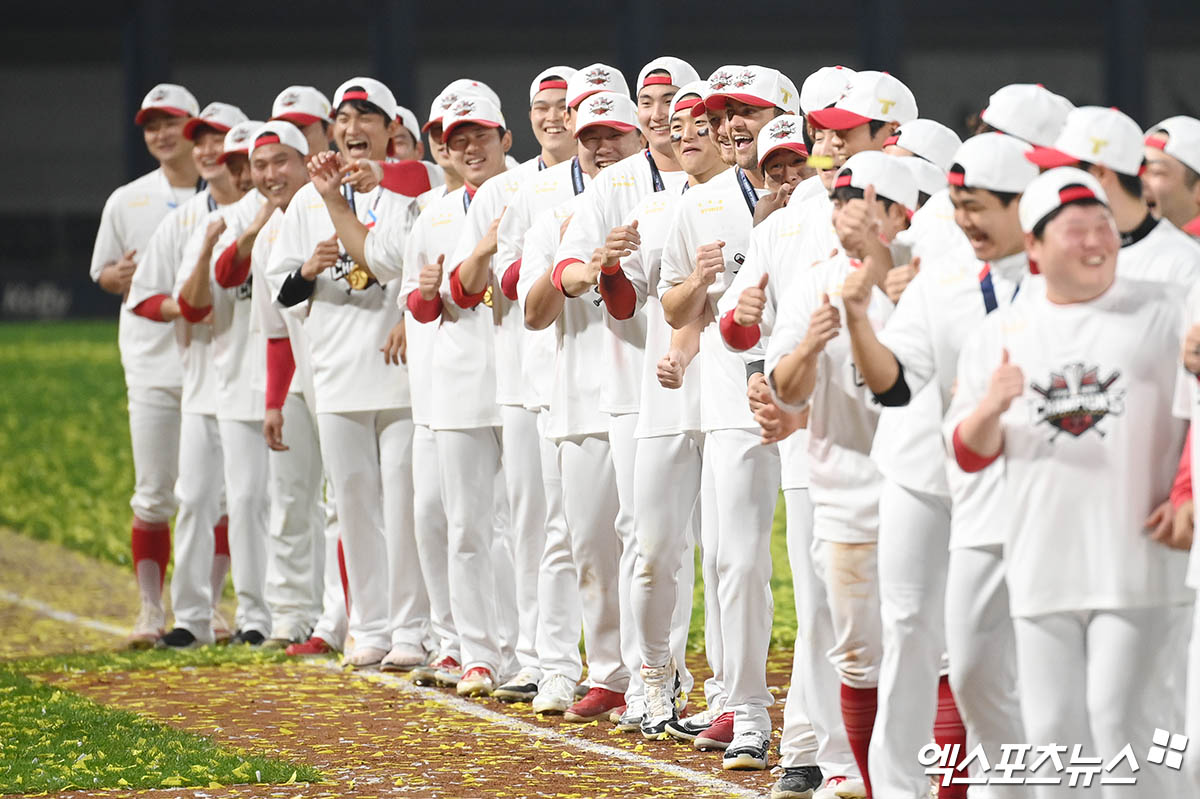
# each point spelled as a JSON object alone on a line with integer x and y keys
{"x": 598, "y": 76}
{"x": 784, "y": 129}
{"x": 240, "y": 136}
{"x": 1097, "y": 144}
{"x": 1076, "y": 400}
{"x": 601, "y": 106}
{"x": 289, "y": 100}
{"x": 720, "y": 80}
{"x": 745, "y": 78}
{"x": 448, "y": 100}
{"x": 463, "y": 108}
{"x": 885, "y": 105}
{"x": 158, "y": 95}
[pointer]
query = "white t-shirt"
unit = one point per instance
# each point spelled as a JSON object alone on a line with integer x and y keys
{"x": 541, "y": 359}
{"x": 662, "y": 411}
{"x": 1090, "y": 447}
{"x": 131, "y": 214}
{"x": 933, "y": 233}
{"x": 1165, "y": 255}
{"x": 843, "y": 480}
{"x": 716, "y": 210}
{"x": 239, "y": 348}
{"x": 346, "y": 327}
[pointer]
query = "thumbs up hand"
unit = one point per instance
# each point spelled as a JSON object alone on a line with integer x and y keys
{"x": 430, "y": 281}
{"x": 823, "y": 326}
{"x": 751, "y": 303}
{"x": 1007, "y": 383}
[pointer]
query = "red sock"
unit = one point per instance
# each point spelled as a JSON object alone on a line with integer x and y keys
{"x": 221, "y": 537}
{"x": 948, "y": 730}
{"x": 345, "y": 578}
{"x": 858, "y": 716}
{"x": 152, "y": 541}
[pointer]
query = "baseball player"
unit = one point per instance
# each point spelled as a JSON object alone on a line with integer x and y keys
{"x": 604, "y": 208}
{"x": 1171, "y": 181}
{"x": 308, "y": 109}
{"x": 148, "y": 355}
{"x": 1186, "y": 402}
{"x": 363, "y": 418}
{"x": 173, "y": 257}
{"x": 1088, "y": 352}
{"x": 705, "y": 247}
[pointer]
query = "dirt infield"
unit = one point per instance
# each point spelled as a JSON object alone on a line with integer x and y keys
{"x": 369, "y": 734}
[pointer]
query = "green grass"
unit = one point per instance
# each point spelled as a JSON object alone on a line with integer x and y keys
{"x": 141, "y": 659}
{"x": 68, "y": 469}
{"x": 56, "y": 740}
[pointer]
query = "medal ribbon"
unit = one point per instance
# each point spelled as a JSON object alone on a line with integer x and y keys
{"x": 748, "y": 192}
{"x": 988, "y": 289}
{"x": 655, "y": 176}
{"x": 576, "y": 176}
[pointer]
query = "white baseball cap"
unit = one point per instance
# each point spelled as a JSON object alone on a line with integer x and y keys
{"x": 301, "y": 105}
{"x": 1028, "y": 111}
{"x": 679, "y": 72}
{"x": 477, "y": 110}
{"x": 612, "y": 109}
{"x": 278, "y": 131}
{"x": 886, "y": 173}
{"x": 1178, "y": 137}
{"x": 928, "y": 139}
{"x": 1053, "y": 189}
{"x": 170, "y": 99}
{"x": 221, "y": 117}
{"x": 409, "y": 120}
{"x": 993, "y": 161}
{"x": 239, "y": 139}
{"x": 550, "y": 78}
{"x": 1102, "y": 136}
{"x": 367, "y": 89}
{"x": 594, "y": 78}
{"x": 784, "y": 132}
{"x": 465, "y": 86}
{"x": 688, "y": 96}
{"x": 930, "y": 178}
{"x": 872, "y": 96}
{"x": 753, "y": 85}
{"x": 823, "y": 88}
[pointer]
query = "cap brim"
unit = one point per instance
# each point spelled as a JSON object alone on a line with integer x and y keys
{"x": 189, "y": 130}
{"x": 1048, "y": 157}
{"x": 487, "y": 123}
{"x": 223, "y": 157}
{"x": 837, "y": 119}
{"x": 623, "y": 127}
{"x": 169, "y": 110}
{"x": 576, "y": 100}
{"x": 435, "y": 121}
{"x": 794, "y": 146}
{"x": 297, "y": 118}
{"x": 717, "y": 100}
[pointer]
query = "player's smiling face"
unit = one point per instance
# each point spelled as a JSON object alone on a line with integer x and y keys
{"x": 719, "y": 131}
{"x": 208, "y": 143}
{"x": 845, "y": 143}
{"x": 742, "y": 124}
{"x": 1165, "y": 188}
{"x": 654, "y": 106}
{"x": 1077, "y": 253}
{"x": 993, "y": 228}
{"x": 477, "y": 151}
{"x": 694, "y": 148}
{"x": 548, "y": 118}
{"x": 360, "y": 134}
{"x": 405, "y": 147}
{"x": 607, "y": 145}
{"x": 164, "y": 136}
{"x": 278, "y": 172}
{"x": 785, "y": 166}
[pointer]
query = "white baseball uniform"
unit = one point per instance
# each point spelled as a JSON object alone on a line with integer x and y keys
{"x": 1088, "y": 451}
{"x": 1187, "y": 406}
{"x": 363, "y": 417}
{"x": 746, "y": 473}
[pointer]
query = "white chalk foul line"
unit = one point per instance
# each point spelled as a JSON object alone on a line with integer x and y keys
{"x": 450, "y": 701}
{"x": 62, "y": 615}
{"x": 553, "y": 736}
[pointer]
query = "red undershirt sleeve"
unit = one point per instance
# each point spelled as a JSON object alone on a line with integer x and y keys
{"x": 968, "y": 459}
{"x": 423, "y": 310}
{"x": 281, "y": 366}
{"x": 192, "y": 314}
{"x": 151, "y": 308}
{"x": 556, "y": 275}
{"x": 461, "y": 298}
{"x": 409, "y": 178}
{"x": 736, "y": 336}
{"x": 228, "y": 270}
{"x": 1181, "y": 491}
{"x": 508, "y": 283}
{"x": 618, "y": 293}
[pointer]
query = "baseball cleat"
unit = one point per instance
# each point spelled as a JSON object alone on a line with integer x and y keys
{"x": 631, "y": 719}
{"x": 178, "y": 638}
{"x": 687, "y": 728}
{"x": 797, "y": 782}
{"x": 403, "y": 658}
{"x": 555, "y": 694}
{"x": 149, "y": 627}
{"x": 660, "y": 702}
{"x": 595, "y": 705}
{"x": 248, "y": 637}
{"x": 718, "y": 735}
{"x": 313, "y": 647}
{"x": 842, "y": 788}
{"x": 747, "y": 751}
{"x": 521, "y": 688}
{"x": 477, "y": 681}
{"x": 364, "y": 657}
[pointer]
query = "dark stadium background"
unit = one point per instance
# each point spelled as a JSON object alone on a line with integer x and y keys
{"x": 72, "y": 76}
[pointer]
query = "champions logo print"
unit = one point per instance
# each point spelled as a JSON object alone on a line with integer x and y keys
{"x": 288, "y": 100}
{"x": 720, "y": 80}
{"x": 784, "y": 130}
{"x": 601, "y": 106}
{"x": 463, "y": 108}
{"x": 1076, "y": 400}
{"x": 744, "y": 79}
{"x": 598, "y": 76}
{"x": 448, "y": 100}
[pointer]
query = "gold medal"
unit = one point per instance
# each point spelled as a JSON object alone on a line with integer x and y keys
{"x": 487, "y": 296}
{"x": 358, "y": 278}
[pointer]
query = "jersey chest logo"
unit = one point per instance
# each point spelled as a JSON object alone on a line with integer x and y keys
{"x": 1076, "y": 400}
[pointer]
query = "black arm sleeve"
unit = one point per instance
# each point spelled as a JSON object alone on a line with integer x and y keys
{"x": 755, "y": 368}
{"x": 296, "y": 289}
{"x": 898, "y": 395}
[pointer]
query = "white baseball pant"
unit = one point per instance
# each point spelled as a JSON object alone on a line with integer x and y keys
{"x": 1094, "y": 678}
{"x": 296, "y": 526}
{"x": 813, "y": 732}
{"x": 914, "y": 555}
{"x": 590, "y": 507}
{"x": 468, "y": 461}
{"x": 1192, "y": 759}
{"x": 746, "y": 476}
{"x": 367, "y": 455}
{"x": 715, "y": 694}
{"x": 430, "y": 519}
{"x": 980, "y": 647}
{"x": 558, "y": 581}
{"x": 623, "y": 447}
{"x": 154, "y": 430}
{"x": 527, "y": 521}
{"x": 248, "y": 506}
{"x": 667, "y": 472}
{"x": 198, "y": 491}
{"x": 851, "y": 578}
{"x": 331, "y": 627}
{"x": 507, "y": 618}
